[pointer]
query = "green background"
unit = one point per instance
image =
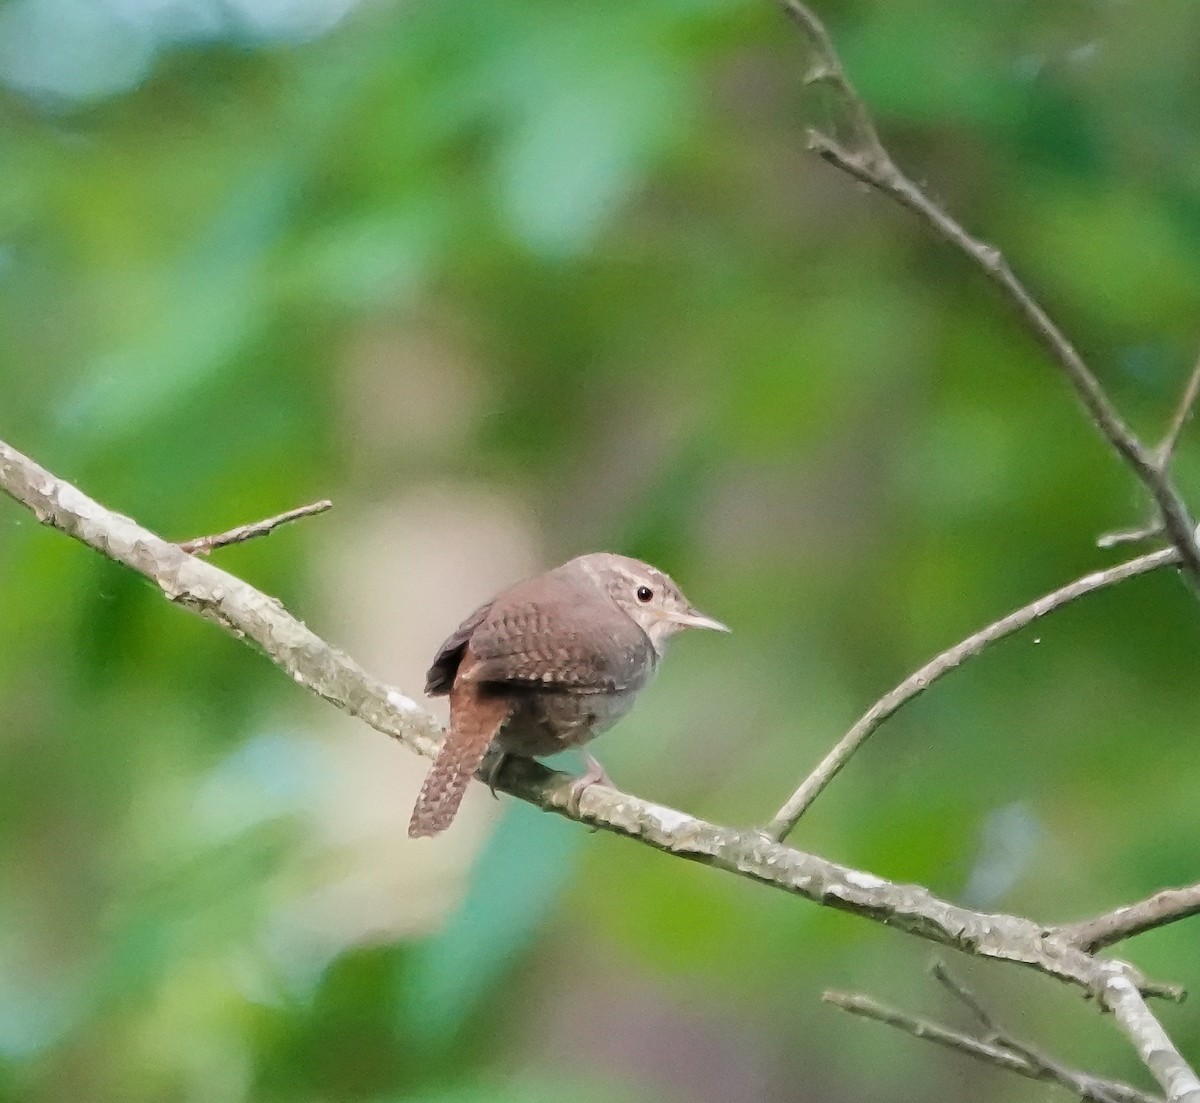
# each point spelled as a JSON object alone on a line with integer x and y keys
{"x": 510, "y": 281}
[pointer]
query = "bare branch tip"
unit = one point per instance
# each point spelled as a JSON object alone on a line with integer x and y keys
{"x": 916, "y": 683}
{"x": 203, "y": 545}
{"x": 815, "y": 140}
{"x": 1165, "y": 452}
{"x": 1149, "y": 531}
{"x": 1172, "y": 993}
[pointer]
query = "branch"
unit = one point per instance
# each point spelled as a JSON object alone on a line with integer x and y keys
{"x": 1047, "y": 1068}
{"x": 918, "y": 682}
{"x": 220, "y": 597}
{"x": 1121, "y": 997}
{"x": 309, "y": 661}
{"x": 1154, "y": 1047}
{"x": 1165, "y": 453}
{"x": 202, "y": 545}
{"x": 993, "y": 1046}
{"x": 1162, "y": 908}
{"x": 868, "y": 160}
{"x": 968, "y": 999}
{"x": 870, "y": 163}
{"x": 1148, "y": 531}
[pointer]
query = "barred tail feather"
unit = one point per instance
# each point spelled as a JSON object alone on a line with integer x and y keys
{"x": 474, "y": 722}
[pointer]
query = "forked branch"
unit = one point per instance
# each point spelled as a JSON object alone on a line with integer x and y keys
{"x": 991, "y": 1044}
{"x": 1164, "y": 455}
{"x": 865, "y": 158}
{"x": 311, "y": 662}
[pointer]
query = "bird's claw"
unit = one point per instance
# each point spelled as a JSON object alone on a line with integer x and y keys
{"x": 493, "y": 772}
{"x": 595, "y": 774}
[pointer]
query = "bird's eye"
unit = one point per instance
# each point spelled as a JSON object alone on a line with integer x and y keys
{"x": 644, "y": 594}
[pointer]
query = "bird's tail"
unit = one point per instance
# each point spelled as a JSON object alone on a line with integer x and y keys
{"x": 474, "y": 722}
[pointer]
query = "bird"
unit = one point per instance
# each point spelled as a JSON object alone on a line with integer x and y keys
{"x": 548, "y": 664}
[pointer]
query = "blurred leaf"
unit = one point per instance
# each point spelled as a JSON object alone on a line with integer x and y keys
{"x": 574, "y": 260}
{"x": 520, "y": 876}
{"x": 209, "y": 304}
{"x": 581, "y": 148}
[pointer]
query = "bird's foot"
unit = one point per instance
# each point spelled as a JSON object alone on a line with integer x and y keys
{"x": 498, "y": 759}
{"x": 594, "y": 775}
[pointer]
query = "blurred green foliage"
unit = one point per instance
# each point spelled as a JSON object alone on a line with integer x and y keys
{"x": 687, "y": 340}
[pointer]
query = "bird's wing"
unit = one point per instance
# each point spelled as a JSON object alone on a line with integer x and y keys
{"x": 559, "y": 641}
{"x": 440, "y": 676}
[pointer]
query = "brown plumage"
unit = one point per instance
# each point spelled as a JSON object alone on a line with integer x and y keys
{"x": 475, "y": 718}
{"x": 548, "y": 664}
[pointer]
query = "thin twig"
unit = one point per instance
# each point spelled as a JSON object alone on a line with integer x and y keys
{"x": 1000, "y": 1051}
{"x": 1151, "y": 530}
{"x": 964, "y": 995}
{"x": 1187, "y": 402}
{"x": 869, "y": 162}
{"x": 992, "y": 1033}
{"x": 202, "y": 545}
{"x": 919, "y": 681}
{"x": 1163, "y": 456}
{"x": 828, "y": 69}
{"x": 1168, "y": 906}
{"x": 309, "y": 661}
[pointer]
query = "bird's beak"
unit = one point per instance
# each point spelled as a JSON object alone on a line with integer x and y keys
{"x": 693, "y": 618}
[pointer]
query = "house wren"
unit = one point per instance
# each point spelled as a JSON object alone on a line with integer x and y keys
{"x": 548, "y": 664}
